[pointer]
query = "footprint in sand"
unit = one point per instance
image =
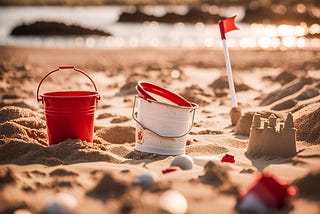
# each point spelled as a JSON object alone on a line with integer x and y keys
{"x": 197, "y": 95}
{"x": 108, "y": 187}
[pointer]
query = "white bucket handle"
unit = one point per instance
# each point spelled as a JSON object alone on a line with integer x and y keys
{"x": 165, "y": 136}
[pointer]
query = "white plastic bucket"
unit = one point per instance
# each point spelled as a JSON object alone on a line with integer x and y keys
{"x": 162, "y": 128}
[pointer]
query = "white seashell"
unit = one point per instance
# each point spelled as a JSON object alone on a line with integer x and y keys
{"x": 61, "y": 203}
{"x": 185, "y": 162}
{"x": 173, "y": 202}
{"x": 145, "y": 179}
{"x": 22, "y": 211}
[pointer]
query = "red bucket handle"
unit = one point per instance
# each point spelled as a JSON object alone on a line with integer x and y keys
{"x": 66, "y": 67}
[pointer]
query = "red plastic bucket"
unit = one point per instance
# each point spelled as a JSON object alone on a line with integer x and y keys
{"x": 69, "y": 114}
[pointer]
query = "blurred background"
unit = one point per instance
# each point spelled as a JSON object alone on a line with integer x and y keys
{"x": 264, "y": 24}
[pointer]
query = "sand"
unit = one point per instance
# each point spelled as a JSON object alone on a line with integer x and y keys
{"x": 100, "y": 175}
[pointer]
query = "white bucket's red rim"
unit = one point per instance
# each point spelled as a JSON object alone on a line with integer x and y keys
{"x": 144, "y": 87}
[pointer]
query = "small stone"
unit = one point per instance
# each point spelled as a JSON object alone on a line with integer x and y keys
{"x": 173, "y": 202}
{"x": 145, "y": 179}
{"x": 235, "y": 115}
{"x": 61, "y": 203}
{"x": 185, "y": 162}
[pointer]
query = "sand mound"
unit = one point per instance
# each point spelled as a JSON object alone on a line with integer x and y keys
{"x": 120, "y": 150}
{"x": 115, "y": 118}
{"x": 308, "y": 93}
{"x": 128, "y": 88}
{"x": 285, "y": 77}
{"x": 11, "y": 112}
{"x": 6, "y": 176}
{"x": 285, "y": 105}
{"x": 217, "y": 175}
{"x": 9, "y": 130}
{"x": 202, "y": 149}
{"x": 287, "y": 90}
{"x": 117, "y": 134}
{"x": 22, "y": 124}
{"x": 308, "y": 127}
{"x": 207, "y": 131}
{"x": 12, "y": 130}
{"x": 108, "y": 187}
{"x": 62, "y": 172}
{"x": 120, "y": 119}
{"x": 219, "y": 85}
{"x": 197, "y": 95}
{"x": 214, "y": 174}
{"x": 31, "y": 122}
{"x": 137, "y": 155}
{"x": 20, "y": 152}
{"x": 309, "y": 184}
{"x": 105, "y": 115}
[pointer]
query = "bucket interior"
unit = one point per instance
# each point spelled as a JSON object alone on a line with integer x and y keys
{"x": 70, "y": 94}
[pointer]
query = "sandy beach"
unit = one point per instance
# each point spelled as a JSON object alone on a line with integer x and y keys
{"x": 101, "y": 174}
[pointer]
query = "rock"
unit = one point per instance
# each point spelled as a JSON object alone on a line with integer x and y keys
{"x": 185, "y": 162}
{"x": 145, "y": 179}
{"x": 50, "y": 28}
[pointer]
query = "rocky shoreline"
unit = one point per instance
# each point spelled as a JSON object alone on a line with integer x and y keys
{"x": 51, "y": 28}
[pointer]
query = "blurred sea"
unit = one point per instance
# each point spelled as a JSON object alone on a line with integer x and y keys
{"x": 149, "y": 34}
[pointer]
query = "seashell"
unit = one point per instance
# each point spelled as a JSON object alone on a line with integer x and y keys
{"x": 22, "y": 211}
{"x": 61, "y": 203}
{"x": 173, "y": 202}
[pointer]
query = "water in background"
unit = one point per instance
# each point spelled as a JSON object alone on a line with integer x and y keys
{"x": 149, "y": 34}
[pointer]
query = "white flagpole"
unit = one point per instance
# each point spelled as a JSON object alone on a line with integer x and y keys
{"x": 234, "y": 102}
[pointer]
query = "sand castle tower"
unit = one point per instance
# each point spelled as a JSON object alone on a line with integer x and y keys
{"x": 270, "y": 139}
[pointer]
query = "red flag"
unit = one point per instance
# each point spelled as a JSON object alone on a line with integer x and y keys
{"x": 226, "y": 26}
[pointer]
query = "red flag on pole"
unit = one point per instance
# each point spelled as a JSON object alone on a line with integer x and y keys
{"x": 226, "y": 26}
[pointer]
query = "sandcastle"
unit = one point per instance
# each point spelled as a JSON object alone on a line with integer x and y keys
{"x": 270, "y": 139}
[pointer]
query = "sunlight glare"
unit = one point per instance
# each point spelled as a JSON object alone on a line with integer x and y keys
{"x": 301, "y": 42}
{"x": 175, "y": 74}
{"x": 314, "y": 29}
{"x": 289, "y": 41}
{"x": 301, "y": 8}
{"x": 299, "y": 31}
{"x": 209, "y": 42}
{"x": 270, "y": 31}
{"x": 199, "y": 26}
{"x": 275, "y": 43}
{"x": 264, "y": 42}
{"x": 90, "y": 42}
{"x": 285, "y": 30}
